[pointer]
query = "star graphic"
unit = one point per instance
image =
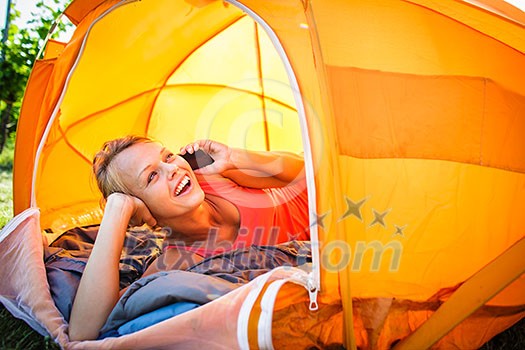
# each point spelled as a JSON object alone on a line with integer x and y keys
{"x": 379, "y": 218}
{"x": 293, "y": 236}
{"x": 319, "y": 219}
{"x": 353, "y": 208}
{"x": 399, "y": 230}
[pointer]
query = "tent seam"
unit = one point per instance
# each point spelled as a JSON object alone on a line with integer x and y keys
{"x": 483, "y": 119}
{"x": 465, "y": 24}
{"x": 92, "y": 115}
{"x": 261, "y": 85}
{"x": 168, "y": 76}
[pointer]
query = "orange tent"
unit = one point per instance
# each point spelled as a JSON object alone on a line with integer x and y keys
{"x": 410, "y": 115}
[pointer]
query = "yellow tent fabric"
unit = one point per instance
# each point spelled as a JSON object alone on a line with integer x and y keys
{"x": 410, "y": 115}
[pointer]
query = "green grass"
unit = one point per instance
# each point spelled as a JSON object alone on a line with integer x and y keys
{"x": 6, "y": 184}
{"x": 6, "y": 197}
{"x": 16, "y": 334}
{"x": 7, "y": 156}
{"x": 512, "y": 339}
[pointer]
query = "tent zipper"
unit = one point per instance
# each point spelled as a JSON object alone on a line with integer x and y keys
{"x": 280, "y": 274}
{"x": 264, "y": 326}
{"x": 313, "y": 282}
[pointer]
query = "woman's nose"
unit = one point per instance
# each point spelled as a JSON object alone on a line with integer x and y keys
{"x": 171, "y": 169}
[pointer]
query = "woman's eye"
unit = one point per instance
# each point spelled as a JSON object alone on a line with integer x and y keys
{"x": 151, "y": 176}
{"x": 169, "y": 157}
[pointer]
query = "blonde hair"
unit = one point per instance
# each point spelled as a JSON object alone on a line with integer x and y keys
{"x": 107, "y": 178}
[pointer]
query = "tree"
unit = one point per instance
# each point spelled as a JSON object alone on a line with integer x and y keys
{"x": 20, "y": 48}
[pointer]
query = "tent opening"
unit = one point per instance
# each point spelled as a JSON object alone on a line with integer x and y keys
{"x": 167, "y": 76}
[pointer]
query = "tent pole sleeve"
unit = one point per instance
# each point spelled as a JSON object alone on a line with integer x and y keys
{"x": 469, "y": 297}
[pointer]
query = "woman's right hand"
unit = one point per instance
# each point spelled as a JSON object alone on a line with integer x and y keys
{"x": 137, "y": 213}
{"x": 220, "y": 153}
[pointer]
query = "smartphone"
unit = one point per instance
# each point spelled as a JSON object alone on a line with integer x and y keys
{"x": 197, "y": 159}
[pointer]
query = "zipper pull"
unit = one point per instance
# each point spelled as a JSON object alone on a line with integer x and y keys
{"x": 308, "y": 281}
{"x": 312, "y": 292}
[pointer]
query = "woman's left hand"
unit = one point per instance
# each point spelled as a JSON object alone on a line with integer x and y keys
{"x": 220, "y": 153}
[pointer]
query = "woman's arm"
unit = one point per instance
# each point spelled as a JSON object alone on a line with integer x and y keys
{"x": 98, "y": 291}
{"x": 250, "y": 168}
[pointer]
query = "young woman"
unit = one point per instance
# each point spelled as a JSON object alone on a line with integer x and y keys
{"x": 242, "y": 198}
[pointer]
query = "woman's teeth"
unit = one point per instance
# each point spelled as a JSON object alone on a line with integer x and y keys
{"x": 181, "y": 185}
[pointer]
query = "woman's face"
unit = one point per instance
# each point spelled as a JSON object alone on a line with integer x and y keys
{"x": 162, "y": 180}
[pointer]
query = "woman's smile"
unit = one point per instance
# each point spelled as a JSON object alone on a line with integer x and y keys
{"x": 183, "y": 187}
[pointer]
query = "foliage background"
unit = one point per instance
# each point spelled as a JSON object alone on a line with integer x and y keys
{"x": 19, "y": 47}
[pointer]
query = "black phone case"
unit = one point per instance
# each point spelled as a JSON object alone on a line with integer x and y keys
{"x": 197, "y": 159}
